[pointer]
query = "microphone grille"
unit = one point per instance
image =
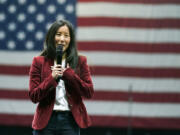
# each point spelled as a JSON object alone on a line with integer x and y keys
{"x": 59, "y": 48}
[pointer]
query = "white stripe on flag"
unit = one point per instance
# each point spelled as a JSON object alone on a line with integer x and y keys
{"x": 109, "y": 83}
{"x": 138, "y": 109}
{"x": 103, "y": 59}
{"x": 17, "y": 106}
{"x": 106, "y": 108}
{"x": 128, "y": 34}
{"x": 106, "y": 83}
{"x": 132, "y": 59}
{"x": 99, "y": 9}
{"x": 14, "y": 82}
{"x": 17, "y": 58}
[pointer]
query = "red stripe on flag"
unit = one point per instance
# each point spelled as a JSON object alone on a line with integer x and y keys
{"x": 146, "y": 97}
{"x": 13, "y": 94}
{"x": 15, "y": 119}
{"x": 137, "y": 1}
{"x": 136, "y": 122}
{"x": 102, "y": 121}
{"x": 14, "y": 70}
{"x": 107, "y": 96}
{"x": 130, "y": 47}
{"x": 136, "y": 72}
{"x": 108, "y": 71}
{"x": 128, "y": 22}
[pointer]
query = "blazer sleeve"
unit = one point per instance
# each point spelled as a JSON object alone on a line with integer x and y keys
{"x": 81, "y": 84}
{"x": 39, "y": 89}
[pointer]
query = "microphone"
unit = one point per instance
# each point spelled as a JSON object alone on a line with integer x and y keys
{"x": 59, "y": 53}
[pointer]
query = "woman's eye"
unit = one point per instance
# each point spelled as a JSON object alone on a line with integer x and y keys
{"x": 66, "y": 35}
{"x": 58, "y": 34}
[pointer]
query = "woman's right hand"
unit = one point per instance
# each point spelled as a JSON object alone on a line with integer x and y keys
{"x": 56, "y": 71}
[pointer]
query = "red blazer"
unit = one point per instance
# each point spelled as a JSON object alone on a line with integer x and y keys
{"x": 42, "y": 90}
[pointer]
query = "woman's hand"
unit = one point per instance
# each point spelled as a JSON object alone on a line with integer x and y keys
{"x": 58, "y": 70}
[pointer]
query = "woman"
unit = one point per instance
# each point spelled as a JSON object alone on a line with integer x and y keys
{"x": 60, "y": 109}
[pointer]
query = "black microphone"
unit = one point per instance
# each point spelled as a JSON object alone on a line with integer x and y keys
{"x": 59, "y": 53}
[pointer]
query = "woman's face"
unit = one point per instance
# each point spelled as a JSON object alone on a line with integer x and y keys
{"x": 63, "y": 37}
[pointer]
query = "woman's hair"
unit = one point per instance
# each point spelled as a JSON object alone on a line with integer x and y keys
{"x": 49, "y": 50}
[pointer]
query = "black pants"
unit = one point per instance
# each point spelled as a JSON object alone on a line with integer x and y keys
{"x": 60, "y": 123}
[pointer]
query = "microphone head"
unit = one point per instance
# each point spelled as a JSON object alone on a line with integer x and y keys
{"x": 59, "y": 48}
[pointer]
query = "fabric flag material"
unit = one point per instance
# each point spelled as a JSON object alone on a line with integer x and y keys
{"x": 132, "y": 46}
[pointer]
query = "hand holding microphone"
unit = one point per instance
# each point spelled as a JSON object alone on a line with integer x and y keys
{"x": 58, "y": 70}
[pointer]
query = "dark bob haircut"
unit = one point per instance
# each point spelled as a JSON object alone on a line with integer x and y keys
{"x": 49, "y": 50}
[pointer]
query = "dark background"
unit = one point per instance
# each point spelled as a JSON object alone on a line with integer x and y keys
{"x": 17, "y": 130}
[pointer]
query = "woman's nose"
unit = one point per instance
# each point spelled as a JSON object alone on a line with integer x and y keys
{"x": 62, "y": 38}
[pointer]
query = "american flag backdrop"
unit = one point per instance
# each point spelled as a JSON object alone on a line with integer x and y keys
{"x": 132, "y": 46}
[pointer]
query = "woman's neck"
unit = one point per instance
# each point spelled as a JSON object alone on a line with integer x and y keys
{"x": 64, "y": 56}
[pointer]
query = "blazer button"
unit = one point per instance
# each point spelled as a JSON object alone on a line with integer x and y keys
{"x": 81, "y": 110}
{"x": 70, "y": 105}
